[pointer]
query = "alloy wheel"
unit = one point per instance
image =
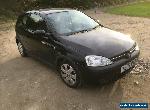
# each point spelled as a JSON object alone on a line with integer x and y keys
{"x": 20, "y": 48}
{"x": 68, "y": 74}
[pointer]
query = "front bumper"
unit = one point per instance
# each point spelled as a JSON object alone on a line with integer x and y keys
{"x": 110, "y": 72}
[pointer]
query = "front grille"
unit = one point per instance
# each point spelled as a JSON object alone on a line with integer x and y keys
{"x": 126, "y": 54}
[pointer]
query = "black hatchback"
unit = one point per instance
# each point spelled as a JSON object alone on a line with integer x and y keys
{"x": 79, "y": 47}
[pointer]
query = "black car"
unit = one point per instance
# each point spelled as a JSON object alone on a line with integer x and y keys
{"x": 79, "y": 47}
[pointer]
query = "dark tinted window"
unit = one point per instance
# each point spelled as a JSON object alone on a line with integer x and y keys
{"x": 22, "y": 21}
{"x": 35, "y": 22}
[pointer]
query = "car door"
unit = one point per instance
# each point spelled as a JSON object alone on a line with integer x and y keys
{"x": 40, "y": 39}
{"x": 46, "y": 48}
{"x": 26, "y": 27}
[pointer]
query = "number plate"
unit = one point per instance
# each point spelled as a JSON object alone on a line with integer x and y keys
{"x": 127, "y": 66}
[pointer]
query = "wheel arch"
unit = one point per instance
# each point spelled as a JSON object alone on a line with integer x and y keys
{"x": 60, "y": 59}
{"x": 17, "y": 41}
{"x": 68, "y": 57}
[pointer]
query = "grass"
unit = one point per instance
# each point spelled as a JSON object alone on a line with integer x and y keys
{"x": 141, "y": 9}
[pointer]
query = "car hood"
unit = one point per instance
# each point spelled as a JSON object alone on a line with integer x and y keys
{"x": 101, "y": 41}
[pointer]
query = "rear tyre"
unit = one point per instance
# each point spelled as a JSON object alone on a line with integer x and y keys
{"x": 21, "y": 49}
{"x": 70, "y": 74}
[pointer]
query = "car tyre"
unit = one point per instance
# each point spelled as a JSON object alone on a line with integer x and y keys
{"x": 70, "y": 74}
{"x": 21, "y": 49}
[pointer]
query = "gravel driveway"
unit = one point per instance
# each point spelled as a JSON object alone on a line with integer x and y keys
{"x": 27, "y": 84}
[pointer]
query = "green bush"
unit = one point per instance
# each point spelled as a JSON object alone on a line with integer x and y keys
{"x": 18, "y": 6}
{"x": 82, "y": 4}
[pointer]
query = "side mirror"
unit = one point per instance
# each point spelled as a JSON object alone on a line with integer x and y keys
{"x": 40, "y": 32}
{"x": 98, "y": 20}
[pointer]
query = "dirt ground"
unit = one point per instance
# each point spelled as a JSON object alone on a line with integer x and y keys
{"x": 27, "y": 84}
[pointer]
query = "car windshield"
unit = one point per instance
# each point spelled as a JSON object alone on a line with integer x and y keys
{"x": 69, "y": 22}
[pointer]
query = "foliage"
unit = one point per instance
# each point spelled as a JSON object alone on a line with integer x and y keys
{"x": 17, "y": 6}
{"x": 84, "y": 4}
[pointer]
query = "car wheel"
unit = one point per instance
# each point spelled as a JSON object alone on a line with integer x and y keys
{"x": 21, "y": 49}
{"x": 70, "y": 74}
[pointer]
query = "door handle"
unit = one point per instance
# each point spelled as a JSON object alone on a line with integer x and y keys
{"x": 43, "y": 42}
{"x": 45, "y": 37}
{"x": 30, "y": 31}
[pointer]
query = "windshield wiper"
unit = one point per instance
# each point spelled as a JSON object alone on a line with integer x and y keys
{"x": 86, "y": 30}
{"x": 82, "y": 31}
{"x": 96, "y": 27}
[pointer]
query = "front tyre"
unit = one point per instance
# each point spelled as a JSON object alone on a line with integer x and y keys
{"x": 70, "y": 74}
{"x": 21, "y": 49}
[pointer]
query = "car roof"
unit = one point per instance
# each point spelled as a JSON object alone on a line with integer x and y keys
{"x": 50, "y": 10}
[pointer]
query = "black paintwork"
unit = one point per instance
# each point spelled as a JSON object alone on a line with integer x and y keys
{"x": 52, "y": 47}
{"x": 101, "y": 41}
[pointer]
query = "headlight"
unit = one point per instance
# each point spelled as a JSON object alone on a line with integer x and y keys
{"x": 137, "y": 47}
{"x": 93, "y": 60}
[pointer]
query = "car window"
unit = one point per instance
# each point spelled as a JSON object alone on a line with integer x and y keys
{"x": 22, "y": 21}
{"x": 60, "y": 27}
{"x": 35, "y": 22}
{"x": 71, "y": 22}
